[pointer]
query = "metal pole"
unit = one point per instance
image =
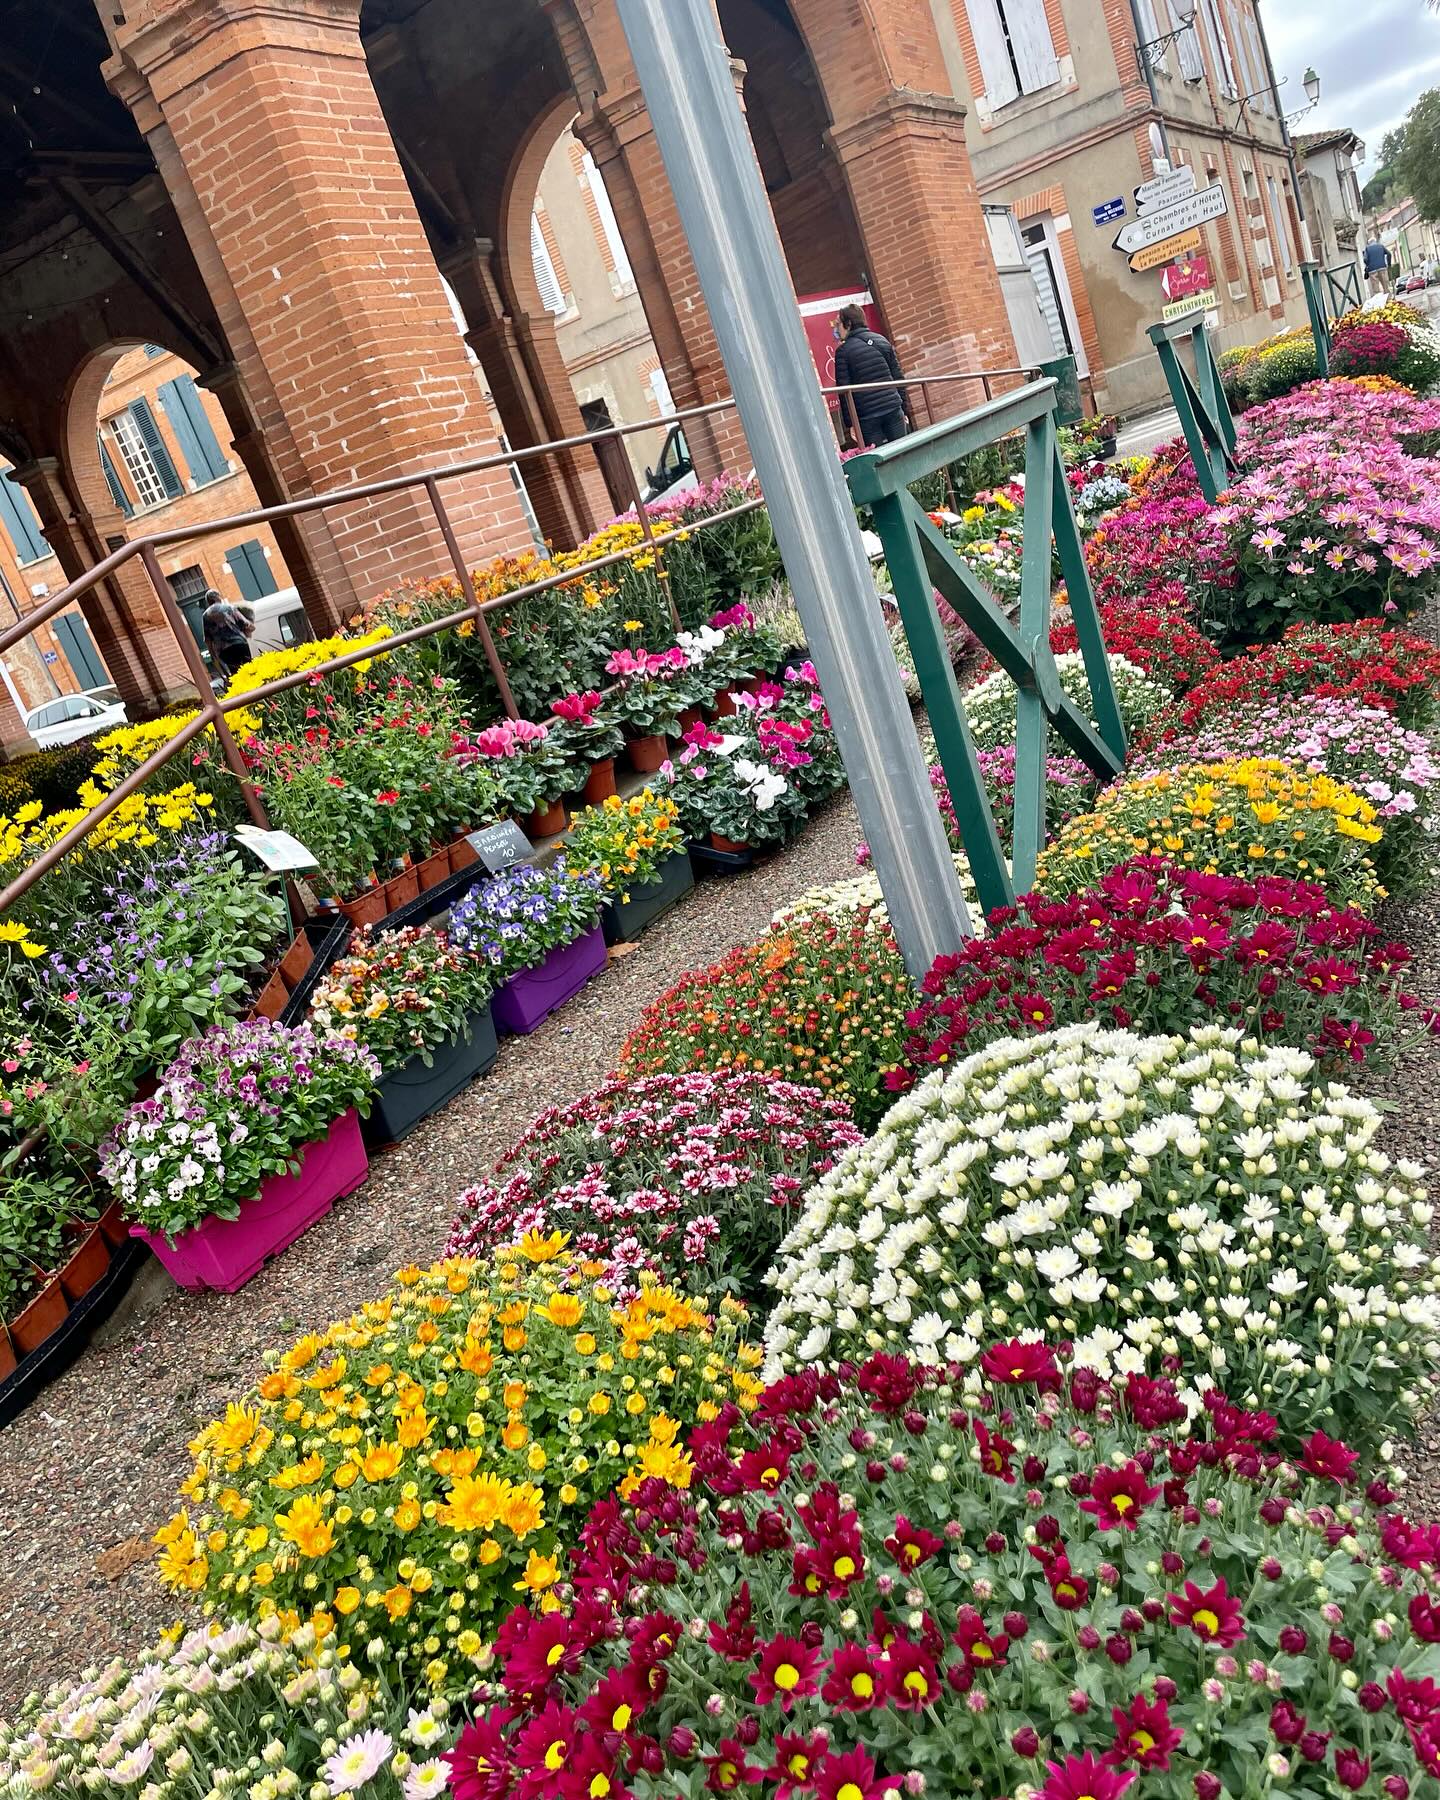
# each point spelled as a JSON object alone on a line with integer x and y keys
{"x": 689, "y": 89}
{"x": 467, "y": 588}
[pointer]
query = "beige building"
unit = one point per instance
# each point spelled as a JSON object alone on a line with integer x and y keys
{"x": 1330, "y": 185}
{"x": 586, "y": 282}
{"x": 1068, "y": 113}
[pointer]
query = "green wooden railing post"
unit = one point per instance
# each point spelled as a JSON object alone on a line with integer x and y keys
{"x": 914, "y": 594}
{"x": 1204, "y": 411}
{"x": 922, "y": 560}
{"x": 1319, "y": 322}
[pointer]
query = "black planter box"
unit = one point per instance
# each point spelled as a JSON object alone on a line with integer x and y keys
{"x": 434, "y": 903}
{"x": 412, "y": 1092}
{"x": 625, "y": 921}
{"x": 328, "y": 938}
{"x": 36, "y": 1371}
{"x": 708, "y": 861}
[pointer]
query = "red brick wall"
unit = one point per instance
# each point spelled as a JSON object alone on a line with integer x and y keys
{"x": 274, "y": 118}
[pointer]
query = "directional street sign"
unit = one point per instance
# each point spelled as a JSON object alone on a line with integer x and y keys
{"x": 1184, "y": 243}
{"x": 1150, "y": 196}
{"x": 1194, "y": 209}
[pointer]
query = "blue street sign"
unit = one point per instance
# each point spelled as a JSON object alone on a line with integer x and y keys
{"x": 1108, "y": 210}
{"x": 51, "y": 656}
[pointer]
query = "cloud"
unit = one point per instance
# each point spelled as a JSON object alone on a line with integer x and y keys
{"x": 1372, "y": 67}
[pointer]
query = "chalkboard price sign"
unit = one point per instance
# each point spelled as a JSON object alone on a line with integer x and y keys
{"x": 501, "y": 847}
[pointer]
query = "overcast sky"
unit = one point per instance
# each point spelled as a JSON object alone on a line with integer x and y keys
{"x": 1373, "y": 59}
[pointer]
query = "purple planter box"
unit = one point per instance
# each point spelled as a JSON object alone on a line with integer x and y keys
{"x": 529, "y": 998}
{"x": 223, "y": 1254}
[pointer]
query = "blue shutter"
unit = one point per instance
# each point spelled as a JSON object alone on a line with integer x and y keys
{"x": 145, "y": 424}
{"x": 112, "y": 480}
{"x": 80, "y": 651}
{"x": 18, "y": 517}
{"x": 185, "y": 409}
{"x": 251, "y": 570}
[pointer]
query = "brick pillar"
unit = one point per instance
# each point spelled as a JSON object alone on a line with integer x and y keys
{"x": 270, "y": 138}
{"x": 14, "y": 739}
{"x": 323, "y": 605}
{"x": 530, "y": 385}
{"x": 122, "y": 611}
{"x": 899, "y": 135}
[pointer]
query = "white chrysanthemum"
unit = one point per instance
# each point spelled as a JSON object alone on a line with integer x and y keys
{"x": 1193, "y": 1195}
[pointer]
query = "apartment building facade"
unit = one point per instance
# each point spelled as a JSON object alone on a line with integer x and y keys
{"x": 1069, "y": 111}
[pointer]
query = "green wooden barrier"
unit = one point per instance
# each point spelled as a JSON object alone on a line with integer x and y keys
{"x": 1203, "y": 408}
{"x": 922, "y": 561}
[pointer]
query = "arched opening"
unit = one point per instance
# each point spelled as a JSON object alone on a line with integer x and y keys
{"x": 789, "y": 119}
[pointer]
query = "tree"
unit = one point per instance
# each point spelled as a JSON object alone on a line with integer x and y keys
{"x": 1412, "y": 152}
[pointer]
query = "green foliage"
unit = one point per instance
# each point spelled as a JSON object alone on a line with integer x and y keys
{"x": 1414, "y": 152}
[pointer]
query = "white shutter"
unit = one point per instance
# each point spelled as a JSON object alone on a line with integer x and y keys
{"x": 1192, "y": 63}
{"x": 609, "y": 224}
{"x": 1032, "y": 44}
{"x": 1266, "y": 99}
{"x": 988, "y": 30}
{"x": 1280, "y": 222}
{"x": 1149, "y": 31}
{"x": 1221, "y": 47}
{"x": 1250, "y": 81}
{"x": 546, "y": 279}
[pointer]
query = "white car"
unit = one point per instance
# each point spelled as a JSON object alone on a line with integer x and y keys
{"x": 75, "y": 716}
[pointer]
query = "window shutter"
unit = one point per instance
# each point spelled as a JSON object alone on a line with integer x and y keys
{"x": 1032, "y": 45}
{"x": 185, "y": 409}
{"x": 1223, "y": 66}
{"x": 150, "y": 434}
{"x": 80, "y": 651}
{"x": 988, "y": 30}
{"x": 112, "y": 480}
{"x": 1192, "y": 62}
{"x": 546, "y": 279}
{"x": 1149, "y": 31}
{"x": 18, "y": 517}
{"x": 251, "y": 570}
{"x": 609, "y": 224}
{"x": 1265, "y": 100}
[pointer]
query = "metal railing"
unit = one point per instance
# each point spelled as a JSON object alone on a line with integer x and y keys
{"x": 213, "y": 708}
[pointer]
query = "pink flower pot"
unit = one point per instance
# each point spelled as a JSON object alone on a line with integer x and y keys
{"x": 531, "y": 996}
{"x": 224, "y": 1254}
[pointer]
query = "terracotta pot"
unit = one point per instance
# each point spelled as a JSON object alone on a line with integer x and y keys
{"x": 45, "y": 1314}
{"x": 463, "y": 855}
{"x": 647, "y": 753}
{"x": 88, "y": 1262}
{"x": 723, "y": 705}
{"x": 691, "y": 717}
{"x": 728, "y": 844}
{"x": 270, "y": 1001}
{"x": 367, "y": 908}
{"x": 113, "y": 1226}
{"x": 296, "y": 960}
{"x": 401, "y": 889}
{"x": 546, "y": 821}
{"x": 433, "y": 870}
{"x": 600, "y": 782}
{"x": 7, "y": 1354}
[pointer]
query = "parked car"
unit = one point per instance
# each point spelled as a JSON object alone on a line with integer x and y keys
{"x": 74, "y": 716}
{"x": 674, "y": 472}
{"x": 279, "y": 621}
{"x": 1412, "y": 283}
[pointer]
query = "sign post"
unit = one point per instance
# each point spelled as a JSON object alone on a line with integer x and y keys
{"x": 689, "y": 89}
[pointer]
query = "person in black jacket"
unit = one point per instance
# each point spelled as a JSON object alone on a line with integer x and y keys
{"x": 863, "y": 355}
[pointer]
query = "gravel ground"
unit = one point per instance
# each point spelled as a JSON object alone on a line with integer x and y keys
{"x": 89, "y": 1471}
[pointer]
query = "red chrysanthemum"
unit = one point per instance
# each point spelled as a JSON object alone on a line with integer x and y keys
{"x": 1143, "y": 1734}
{"x": 1212, "y": 1614}
{"x": 855, "y": 1683}
{"x": 1329, "y": 1459}
{"x": 794, "y": 1763}
{"x": 911, "y": 1677}
{"x": 1118, "y": 1497}
{"x": 1022, "y": 1365}
{"x": 729, "y": 1768}
{"x": 911, "y": 1545}
{"x": 995, "y": 1452}
{"x": 787, "y": 1672}
{"x": 852, "y": 1776}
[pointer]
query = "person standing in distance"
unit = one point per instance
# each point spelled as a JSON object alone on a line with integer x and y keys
{"x": 863, "y": 355}
{"x": 227, "y": 633}
{"x": 1377, "y": 265}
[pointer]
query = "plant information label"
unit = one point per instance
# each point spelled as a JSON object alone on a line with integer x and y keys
{"x": 276, "y": 849}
